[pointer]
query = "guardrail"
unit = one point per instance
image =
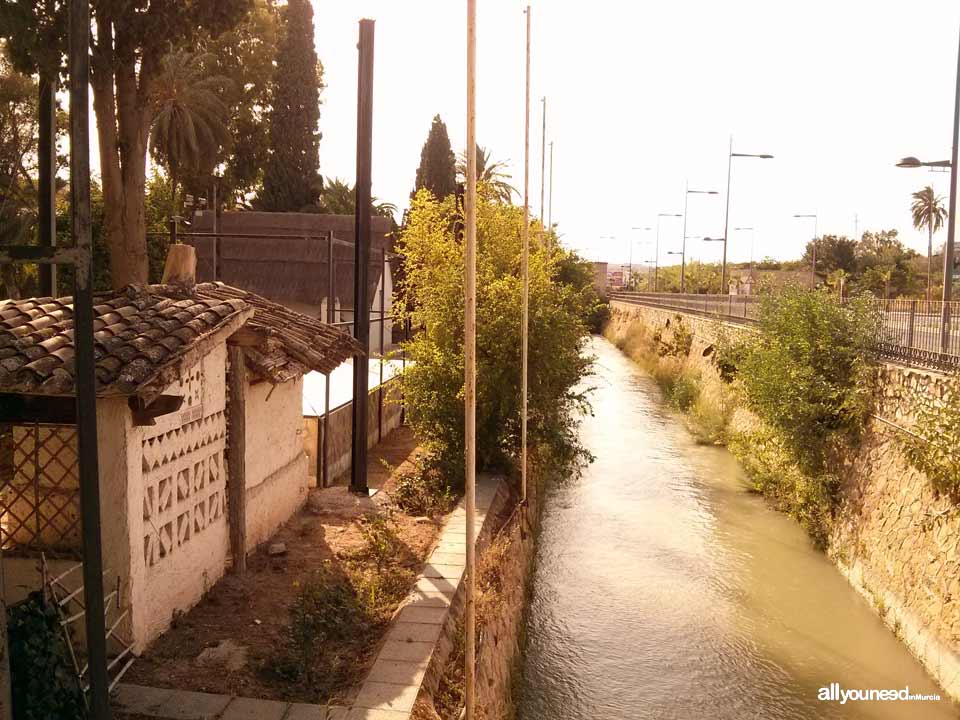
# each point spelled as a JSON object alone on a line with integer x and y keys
{"x": 913, "y": 331}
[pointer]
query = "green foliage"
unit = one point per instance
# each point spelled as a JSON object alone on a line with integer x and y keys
{"x": 933, "y": 448}
{"x": 292, "y": 179}
{"x": 808, "y": 372}
{"x": 437, "y": 171}
{"x": 728, "y": 354}
{"x": 491, "y": 174}
{"x": 422, "y": 491}
{"x": 678, "y": 342}
{"x": 432, "y": 291}
{"x": 685, "y": 391}
{"x": 324, "y": 616}
{"x": 42, "y": 680}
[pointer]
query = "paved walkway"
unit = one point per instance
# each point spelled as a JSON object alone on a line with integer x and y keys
{"x": 394, "y": 681}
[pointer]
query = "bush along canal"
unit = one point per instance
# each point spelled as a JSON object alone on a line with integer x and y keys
{"x": 664, "y": 588}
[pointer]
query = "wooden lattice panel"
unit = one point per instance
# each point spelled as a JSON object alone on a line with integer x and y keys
{"x": 40, "y": 489}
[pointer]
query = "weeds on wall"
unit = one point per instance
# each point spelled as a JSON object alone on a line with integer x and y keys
{"x": 933, "y": 448}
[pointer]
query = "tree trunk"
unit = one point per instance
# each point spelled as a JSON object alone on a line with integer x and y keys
{"x": 122, "y": 126}
{"x": 929, "y": 259}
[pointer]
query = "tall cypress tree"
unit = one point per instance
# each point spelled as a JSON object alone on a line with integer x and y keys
{"x": 292, "y": 180}
{"x": 437, "y": 172}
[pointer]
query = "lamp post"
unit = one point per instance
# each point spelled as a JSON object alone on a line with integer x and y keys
{"x": 726, "y": 221}
{"x": 656, "y": 252}
{"x": 683, "y": 255}
{"x": 630, "y": 265}
{"x": 813, "y": 266}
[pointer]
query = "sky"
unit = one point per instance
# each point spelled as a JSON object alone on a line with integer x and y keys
{"x": 642, "y": 97}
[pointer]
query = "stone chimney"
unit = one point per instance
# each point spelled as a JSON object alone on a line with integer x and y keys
{"x": 181, "y": 265}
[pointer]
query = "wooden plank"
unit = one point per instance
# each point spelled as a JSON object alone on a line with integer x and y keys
{"x": 236, "y": 457}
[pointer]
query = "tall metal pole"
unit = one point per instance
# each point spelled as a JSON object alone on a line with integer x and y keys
{"x": 726, "y": 222}
{"x": 683, "y": 245}
{"x": 951, "y": 221}
{"x": 470, "y": 364}
{"x": 550, "y": 196}
{"x": 47, "y": 172}
{"x": 543, "y": 157}
{"x": 361, "y": 305}
{"x": 656, "y": 255}
{"x": 79, "y": 67}
{"x": 525, "y": 270}
{"x": 325, "y": 478}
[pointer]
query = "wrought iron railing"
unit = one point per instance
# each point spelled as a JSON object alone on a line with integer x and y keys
{"x": 914, "y": 331}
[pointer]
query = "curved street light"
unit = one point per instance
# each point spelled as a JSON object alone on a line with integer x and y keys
{"x": 683, "y": 255}
{"x": 726, "y": 221}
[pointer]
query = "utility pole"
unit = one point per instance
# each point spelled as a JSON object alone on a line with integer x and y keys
{"x": 550, "y": 200}
{"x": 543, "y": 158}
{"x": 525, "y": 271}
{"x": 361, "y": 303}
{"x": 47, "y": 171}
{"x": 470, "y": 366}
{"x": 951, "y": 222}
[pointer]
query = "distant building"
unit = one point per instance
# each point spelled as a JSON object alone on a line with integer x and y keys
{"x": 600, "y": 277}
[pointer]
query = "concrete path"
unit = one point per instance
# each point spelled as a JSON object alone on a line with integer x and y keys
{"x": 394, "y": 681}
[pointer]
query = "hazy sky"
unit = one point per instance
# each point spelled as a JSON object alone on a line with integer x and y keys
{"x": 642, "y": 96}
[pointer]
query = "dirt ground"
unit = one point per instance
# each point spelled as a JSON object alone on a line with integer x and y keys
{"x": 252, "y": 610}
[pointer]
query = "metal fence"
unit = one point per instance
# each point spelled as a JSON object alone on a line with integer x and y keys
{"x": 913, "y": 331}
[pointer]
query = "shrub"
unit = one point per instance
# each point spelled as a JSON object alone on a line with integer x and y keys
{"x": 422, "y": 491}
{"x": 42, "y": 681}
{"x": 685, "y": 391}
{"x": 808, "y": 372}
{"x": 432, "y": 297}
{"x": 933, "y": 448}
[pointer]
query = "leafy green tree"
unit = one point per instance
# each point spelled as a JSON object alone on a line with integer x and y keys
{"x": 928, "y": 212}
{"x": 18, "y": 190}
{"x": 190, "y": 119}
{"x": 340, "y": 198}
{"x": 884, "y": 265}
{"x": 437, "y": 171}
{"x": 834, "y": 252}
{"x": 490, "y": 173}
{"x": 292, "y": 180}
{"x": 431, "y": 295}
{"x": 128, "y": 46}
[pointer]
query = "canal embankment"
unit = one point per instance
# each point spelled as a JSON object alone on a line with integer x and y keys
{"x": 890, "y": 531}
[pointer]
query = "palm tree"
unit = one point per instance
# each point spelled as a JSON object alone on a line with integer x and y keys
{"x": 928, "y": 212}
{"x": 340, "y": 198}
{"x": 190, "y": 120}
{"x": 491, "y": 174}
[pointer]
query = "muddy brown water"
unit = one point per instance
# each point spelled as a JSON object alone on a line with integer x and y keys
{"x": 665, "y": 589}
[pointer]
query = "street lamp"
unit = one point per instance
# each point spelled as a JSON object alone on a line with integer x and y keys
{"x": 683, "y": 255}
{"x": 726, "y": 221}
{"x": 656, "y": 252}
{"x": 813, "y": 267}
{"x": 631, "y": 250}
{"x": 912, "y": 162}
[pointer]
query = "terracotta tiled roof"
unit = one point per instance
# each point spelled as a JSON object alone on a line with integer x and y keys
{"x": 138, "y": 332}
{"x": 283, "y": 343}
{"x": 144, "y": 335}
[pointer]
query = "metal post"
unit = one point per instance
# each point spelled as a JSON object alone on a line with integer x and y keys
{"x": 326, "y": 383}
{"x": 383, "y": 294}
{"x": 543, "y": 158}
{"x": 47, "y": 171}
{"x": 951, "y": 222}
{"x": 172, "y": 229}
{"x": 470, "y": 364}
{"x": 726, "y": 221}
{"x": 79, "y": 68}
{"x": 911, "y": 322}
{"x": 683, "y": 246}
{"x": 524, "y": 271}
{"x": 550, "y": 196}
{"x": 361, "y": 306}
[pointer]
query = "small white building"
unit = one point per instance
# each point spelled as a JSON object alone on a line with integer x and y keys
{"x": 200, "y": 434}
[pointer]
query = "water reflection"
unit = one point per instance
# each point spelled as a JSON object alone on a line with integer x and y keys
{"x": 664, "y": 589}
